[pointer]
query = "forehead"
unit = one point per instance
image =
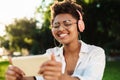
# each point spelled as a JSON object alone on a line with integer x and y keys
{"x": 63, "y": 17}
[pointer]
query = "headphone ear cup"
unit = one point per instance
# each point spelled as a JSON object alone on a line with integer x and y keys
{"x": 81, "y": 25}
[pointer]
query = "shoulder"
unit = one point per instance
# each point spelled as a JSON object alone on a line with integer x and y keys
{"x": 96, "y": 52}
{"x": 54, "y": 50}
{"x": 92, "y": 49}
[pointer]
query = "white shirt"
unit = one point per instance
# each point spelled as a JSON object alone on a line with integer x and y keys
{"x": 90, "y": 65}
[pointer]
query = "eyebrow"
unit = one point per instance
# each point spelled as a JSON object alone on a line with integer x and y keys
{"x": 62, "y": 21}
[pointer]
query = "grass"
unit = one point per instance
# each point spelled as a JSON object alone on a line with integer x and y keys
{"x": 3, "y": 67}
{"x": 112, "y": 71}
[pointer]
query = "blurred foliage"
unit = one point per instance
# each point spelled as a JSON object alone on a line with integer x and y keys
{"x": 21, "y": 34}
{"x": 24, "y": 33}
{"x": 101, "y": 17}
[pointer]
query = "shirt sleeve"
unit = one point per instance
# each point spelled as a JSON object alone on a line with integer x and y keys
{"x": 95, "y": 66}
{"x": 39, "y": 78}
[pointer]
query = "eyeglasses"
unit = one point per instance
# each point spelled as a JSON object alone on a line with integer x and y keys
{"x": 67, "y": 24}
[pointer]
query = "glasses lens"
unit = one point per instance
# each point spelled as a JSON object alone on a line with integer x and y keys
{"x": 56, "y": 25}
{"x": 67, "y": 24}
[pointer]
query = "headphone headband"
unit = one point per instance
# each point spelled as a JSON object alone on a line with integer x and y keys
{"x": 80, "y": 15}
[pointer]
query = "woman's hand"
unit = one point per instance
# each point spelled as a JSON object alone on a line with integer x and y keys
{"x": 13, "y": 72}
{"x": 52, "y": 69}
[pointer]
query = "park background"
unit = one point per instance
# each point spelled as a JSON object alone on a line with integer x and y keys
{"x": 32, "y": 36}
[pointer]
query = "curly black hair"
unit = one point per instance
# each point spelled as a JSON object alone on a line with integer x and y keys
{"x": 66, "y": 6}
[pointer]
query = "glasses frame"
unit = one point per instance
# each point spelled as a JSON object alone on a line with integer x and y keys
{"x": 67, "y": 24}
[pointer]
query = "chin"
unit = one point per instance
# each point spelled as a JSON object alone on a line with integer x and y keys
{"x": 64, "y": 42}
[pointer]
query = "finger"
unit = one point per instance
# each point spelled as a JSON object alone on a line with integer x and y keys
{"x": 19, "y": 77}
{"x": 53, "y": 57}
{"x": 16, "y": 70}
{"x": 8, "y": 77}
{"x": 52, "y": 63}
{"x": 51, "y": 73}
{"x": 42, "y": 66}
{"x": 13, "y": 75}
{"x": 50, "y": 77}
{"x": 10, "y": 60}
{"x": 50, "y": 68}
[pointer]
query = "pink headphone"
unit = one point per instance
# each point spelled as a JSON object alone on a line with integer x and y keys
{"x": 81, "y": 25}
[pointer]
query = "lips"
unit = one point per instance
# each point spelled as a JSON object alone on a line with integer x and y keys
{"x": 63, "y": 35}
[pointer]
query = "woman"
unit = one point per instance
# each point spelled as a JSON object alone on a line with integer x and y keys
{"x": 77, "y": 60}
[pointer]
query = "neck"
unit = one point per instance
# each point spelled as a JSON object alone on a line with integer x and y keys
{"x": 72, "y": 49}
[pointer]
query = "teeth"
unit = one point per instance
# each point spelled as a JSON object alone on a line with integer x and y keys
{"x": 63, "y": 35}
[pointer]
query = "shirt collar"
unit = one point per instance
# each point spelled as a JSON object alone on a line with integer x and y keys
{"x": 84, "y": 49}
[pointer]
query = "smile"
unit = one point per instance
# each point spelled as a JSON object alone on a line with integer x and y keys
{"x": 62, "y": 35}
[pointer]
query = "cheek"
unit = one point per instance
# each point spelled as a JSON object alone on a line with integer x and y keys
{"x": 53, "y": 32}
{"x": 74, "y": 32}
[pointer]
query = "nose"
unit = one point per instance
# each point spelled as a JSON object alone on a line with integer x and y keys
{"x": 62, "y": 27}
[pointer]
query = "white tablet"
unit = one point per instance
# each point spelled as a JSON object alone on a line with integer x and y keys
{"x": 30, "y": 64}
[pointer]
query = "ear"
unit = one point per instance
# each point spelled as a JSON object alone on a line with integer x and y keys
{"x": 81, "y": 25}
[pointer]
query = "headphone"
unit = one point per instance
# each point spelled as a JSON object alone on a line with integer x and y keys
{"x": 81, "y": 25}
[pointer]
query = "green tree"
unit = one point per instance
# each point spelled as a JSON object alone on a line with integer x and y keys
{"x": 47, "y": 39}
{"x": 20, "y": 33}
